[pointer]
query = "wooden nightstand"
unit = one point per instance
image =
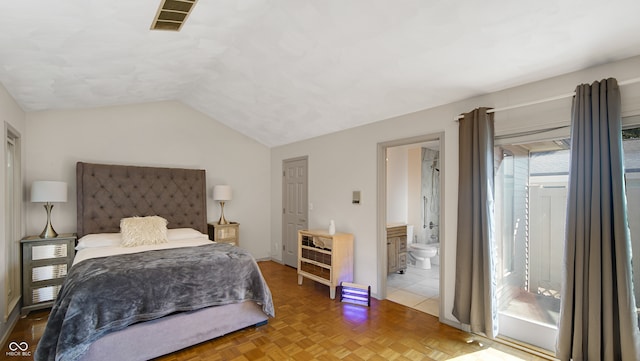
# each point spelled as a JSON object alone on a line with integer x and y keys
{"x": 225, "y": 233}
{"x": 45, "y": 263}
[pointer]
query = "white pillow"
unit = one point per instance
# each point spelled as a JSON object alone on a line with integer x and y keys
{"x": 99, "y": 240}
{"x": 177, "y": 234}
{"x": 140, "y": 231}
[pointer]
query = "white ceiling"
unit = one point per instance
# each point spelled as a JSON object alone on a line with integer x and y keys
{"x": 282, "y": 71}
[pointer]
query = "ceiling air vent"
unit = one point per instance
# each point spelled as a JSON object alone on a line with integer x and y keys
{"x": 172, "y": 14}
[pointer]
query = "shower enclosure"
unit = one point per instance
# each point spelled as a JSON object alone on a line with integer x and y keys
{"x": 428, "y": 231}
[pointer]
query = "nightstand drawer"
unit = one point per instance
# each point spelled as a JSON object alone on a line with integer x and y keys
{"x": 49, "y": 272}
{"x": 44, "y": 294}
{"x": 226, "y": 233}
{"x": 48, "y": 251}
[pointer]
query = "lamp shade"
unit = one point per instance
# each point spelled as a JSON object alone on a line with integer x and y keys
{"x": 222, "y": 193}
{"x": 48, "y": 191}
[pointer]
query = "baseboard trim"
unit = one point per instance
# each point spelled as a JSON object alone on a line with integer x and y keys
{"x": 537, "y": 351}
{"x": 12, "y": 320}
{"x": 269, "y": 259}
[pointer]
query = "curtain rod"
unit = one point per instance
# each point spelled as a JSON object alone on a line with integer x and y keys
{"x": 540, "y": 101}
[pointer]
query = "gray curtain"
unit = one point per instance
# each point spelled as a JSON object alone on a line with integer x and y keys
{"x": 475, "y": 303}
{"x": 597, "y": 314}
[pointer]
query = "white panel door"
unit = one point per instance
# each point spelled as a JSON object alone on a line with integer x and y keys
{"x": 294, "y": 207}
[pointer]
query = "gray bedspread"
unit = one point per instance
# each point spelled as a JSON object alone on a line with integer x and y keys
{"x": 107, "y": 294}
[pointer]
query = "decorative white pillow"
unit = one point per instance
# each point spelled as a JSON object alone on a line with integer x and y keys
{"x": 95, "y": 240}
{"x": 140, "y": 231}
{"x": 178, "y": 234}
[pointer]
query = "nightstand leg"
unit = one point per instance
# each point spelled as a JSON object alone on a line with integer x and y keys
{"x": 332, "y": 292}
{"x": 299, "y": 279}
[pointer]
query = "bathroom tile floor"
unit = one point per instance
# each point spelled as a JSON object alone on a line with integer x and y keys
{"x": 416, "y": 288}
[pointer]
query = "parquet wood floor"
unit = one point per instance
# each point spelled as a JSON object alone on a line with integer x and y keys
{"x": 310, "y": 326}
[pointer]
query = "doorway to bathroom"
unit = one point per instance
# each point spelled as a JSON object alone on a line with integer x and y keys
{"x": 413, "y": 225}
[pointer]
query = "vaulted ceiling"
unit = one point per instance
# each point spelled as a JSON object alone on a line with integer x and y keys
{"x": 282, "y": 71}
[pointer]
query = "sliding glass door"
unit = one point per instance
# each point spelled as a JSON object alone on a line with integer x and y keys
{"x": 531, "y": 193}
{"x": 631, "y": 146}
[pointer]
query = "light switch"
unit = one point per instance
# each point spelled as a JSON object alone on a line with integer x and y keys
{"x": 356, "y": 197}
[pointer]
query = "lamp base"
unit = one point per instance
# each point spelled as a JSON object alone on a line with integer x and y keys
{"x": 222, "y": 220}
{"x": 48, "y": 231}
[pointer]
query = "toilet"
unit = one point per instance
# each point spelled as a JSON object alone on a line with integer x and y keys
{"x": 420, "y": 254}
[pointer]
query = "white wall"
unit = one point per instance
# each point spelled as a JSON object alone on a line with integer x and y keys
{"x": 404, "y": 185}
{"x": 12, "y": 115}
{"x": 397, "y": 184}
{"x": 347, "y": 160}
{"x": 154, "y": 134}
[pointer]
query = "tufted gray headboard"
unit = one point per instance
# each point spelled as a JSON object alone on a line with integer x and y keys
{"x": 106, "y": 193}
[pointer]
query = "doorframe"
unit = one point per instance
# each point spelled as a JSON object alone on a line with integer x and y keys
{"x": 14, "y": 231}
{"x": 381, "y": 211}
{"x": 282, "y": 200}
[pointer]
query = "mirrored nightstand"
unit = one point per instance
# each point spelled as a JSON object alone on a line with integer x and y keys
{"x": 225, "y": 233}
{"x": 45, "y": 263}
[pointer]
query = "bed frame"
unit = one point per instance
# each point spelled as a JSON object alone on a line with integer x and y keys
{"x": 107, "y": 193}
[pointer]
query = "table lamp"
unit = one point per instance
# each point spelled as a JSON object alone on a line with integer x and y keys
{"x": 222, "y": 193}
{"x": 48, "y": 192}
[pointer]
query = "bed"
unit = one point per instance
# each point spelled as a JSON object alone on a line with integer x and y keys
{"x": 103, "y": 269}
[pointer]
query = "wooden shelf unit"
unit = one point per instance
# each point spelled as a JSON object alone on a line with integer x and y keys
{"x": 325, "y": 258}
